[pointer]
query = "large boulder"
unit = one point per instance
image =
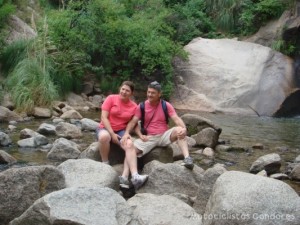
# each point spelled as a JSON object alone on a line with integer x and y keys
{"x": 233, "y": 76}
{"x": 244, "y": 199}
{"x": 21, "y": 187}
{"x": 84, "y": 206}
{"x": 171, "y": 178}
{"x": 153, "y": 209}
{"x": 88, "y": 173}
{"x": 206, "y": 186}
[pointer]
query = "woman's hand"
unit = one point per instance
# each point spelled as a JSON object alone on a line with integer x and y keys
{"x": 115, "y": 138}
{"x": 124, "y": 139}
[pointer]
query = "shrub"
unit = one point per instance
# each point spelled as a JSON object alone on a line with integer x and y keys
{"x": 6, "y": 8}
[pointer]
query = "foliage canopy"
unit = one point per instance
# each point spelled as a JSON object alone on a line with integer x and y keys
{"x": 118, "y": 40}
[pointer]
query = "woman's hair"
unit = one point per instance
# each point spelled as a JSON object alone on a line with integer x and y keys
{"x": 130, "y": 84}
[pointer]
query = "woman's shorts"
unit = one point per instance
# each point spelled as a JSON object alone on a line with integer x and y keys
{"x": 119, "y": 132}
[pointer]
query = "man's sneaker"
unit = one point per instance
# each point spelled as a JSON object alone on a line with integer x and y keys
{"x": 139, "y": 181}
{"x": 188, "y": 163}
{"x": 124, "y": 182}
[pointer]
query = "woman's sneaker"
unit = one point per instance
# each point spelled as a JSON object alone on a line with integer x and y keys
{"x": 139, "y": 181}
{"x": 124, "y": 182}
{"x": 188, "y": 163}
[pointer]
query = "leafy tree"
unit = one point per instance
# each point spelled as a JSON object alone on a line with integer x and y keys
{"x": 190, "y": 21}
{"x": 119, "y": 40}
{"x": 256, "y": 14}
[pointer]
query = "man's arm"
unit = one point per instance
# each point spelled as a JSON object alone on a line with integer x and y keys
{"x": 178, "y": 121}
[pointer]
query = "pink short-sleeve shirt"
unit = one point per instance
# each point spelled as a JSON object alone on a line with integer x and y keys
{"x": 158, "y": 123}
{"x": 120, "y": 113}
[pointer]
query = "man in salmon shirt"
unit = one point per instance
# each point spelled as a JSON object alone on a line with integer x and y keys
{"x": 158, "y": 132}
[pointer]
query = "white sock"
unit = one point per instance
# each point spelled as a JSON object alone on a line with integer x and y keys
{"x": 106, "y": 162}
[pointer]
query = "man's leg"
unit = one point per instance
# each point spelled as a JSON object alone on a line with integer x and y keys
{"x": 130, "y": 164}
{"x": 183, "y": 145}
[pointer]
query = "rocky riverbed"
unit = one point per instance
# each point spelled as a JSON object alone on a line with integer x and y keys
{"x": 69, "y": 169}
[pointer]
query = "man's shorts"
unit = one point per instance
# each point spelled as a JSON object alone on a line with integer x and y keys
{"x": 160, "y": 140}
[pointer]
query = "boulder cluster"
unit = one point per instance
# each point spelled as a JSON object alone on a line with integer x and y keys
{"x": 76, "y": 188}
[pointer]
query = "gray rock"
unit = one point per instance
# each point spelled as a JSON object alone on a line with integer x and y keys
{"x": 208, "y": 137}
{"x": 71, "y": 114}
{"x": 6, "y": 115}
{"x": 63, "y": 149}
{"x": 88, "y": 173}
{"x": 297, "y": 160}
{"x": 28, "y": 133}
{"x": 280, "y": 176}
{"x": 116, "y": 153}
{"x": 231, "y": 87}
{"x": 295, "y": 173}
{"x": 153, "y": 209}
{"x": 47, "y": 129}
{"x": 244, "y": 199}
{"x": 171, "y": 178}
{"x": 33, "y": 142}
{"x": 92, "y": 152}
{"x": 271, "y": 163}
{"x": 75, "y": 100}
{"x": 4, "y": 139}
{"x": 206, "y": 186}
{"x": 21, "y": 187}
{"x": 6, "y": 158}
{"x": 67, "y": 130}
{"x": 84, "y": 206}
{"x": 88, "y": 124}
{"x": 39, "y": 112}
{"x": 196, "y": 123}
{"x": 161, "y": 154}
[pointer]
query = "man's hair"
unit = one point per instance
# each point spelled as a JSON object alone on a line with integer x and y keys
{"x": 155, "y": 85}
{"x": 130, "y": 84}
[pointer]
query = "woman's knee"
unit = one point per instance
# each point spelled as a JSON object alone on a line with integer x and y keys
{"x": 104, "y": 137}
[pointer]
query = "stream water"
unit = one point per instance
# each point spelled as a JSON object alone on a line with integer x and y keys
{"x": 277, "y": 135}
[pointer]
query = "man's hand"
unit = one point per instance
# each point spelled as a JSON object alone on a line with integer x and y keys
{"x": 181, "y": 133}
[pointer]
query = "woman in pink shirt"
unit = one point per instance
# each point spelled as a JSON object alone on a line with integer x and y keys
{"x": 117, "y": 111}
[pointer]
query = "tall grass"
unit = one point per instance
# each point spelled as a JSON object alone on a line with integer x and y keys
{"x": 13, "y": 54}
{"x": 29, "y": 75}
{"x": 31, "y": 85}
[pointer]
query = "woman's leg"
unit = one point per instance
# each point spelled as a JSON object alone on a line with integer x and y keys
{"x": 104, "y": 139}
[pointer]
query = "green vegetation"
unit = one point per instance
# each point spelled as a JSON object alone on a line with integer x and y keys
{"x": 6, "y": 9}
{"x": 118, "y": 40}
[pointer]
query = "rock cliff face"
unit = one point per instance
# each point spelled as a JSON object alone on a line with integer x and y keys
{"x": 233, "y": 76}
